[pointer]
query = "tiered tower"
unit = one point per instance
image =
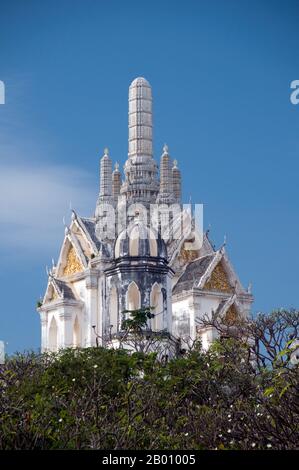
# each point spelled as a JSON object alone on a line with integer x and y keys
{"x": 141, "y": 183}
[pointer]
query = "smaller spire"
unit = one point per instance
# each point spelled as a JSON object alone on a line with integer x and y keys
{"x": 177, "y": 181}
{"x": 166, "y": 187}
{"x": 116, "y": 181}
{"x": 105, "y": 176}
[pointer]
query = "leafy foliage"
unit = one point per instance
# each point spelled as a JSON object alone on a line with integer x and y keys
{"x": 137, "y": 319}
{"x": 110, "y": 399}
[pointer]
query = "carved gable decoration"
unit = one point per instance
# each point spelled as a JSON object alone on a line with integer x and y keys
{"x": 186, "y": 255}
{"x": 54, "y": 295}
{"x": 73, "y": 264}
{"x": 231, "y": 317}
{"x": 218, "y": 280}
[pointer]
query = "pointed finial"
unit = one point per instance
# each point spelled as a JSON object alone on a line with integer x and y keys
{"x": 249, "y": 288}
{"x": 175, "y": 164}
{"x": 53, "y": 263}
{"x": 106, "y": 151}
{"x": 116, "y": 166}
{"x": 165, "y": 149}
{"x": 224, "y": 240}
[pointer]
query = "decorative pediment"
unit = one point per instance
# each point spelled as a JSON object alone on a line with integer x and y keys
{"x": 58, "y": 289}
{"x": 218, "y": 280}
{"x": 54, "y": 296}
{"x": 52, "y": 293}
{"x": 73, "y": 264}
{"x": 231, "y": 317}
{"x": 186, "y": 256}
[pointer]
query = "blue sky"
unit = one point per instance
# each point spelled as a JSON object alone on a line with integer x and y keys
{"x": 221, "y": 74}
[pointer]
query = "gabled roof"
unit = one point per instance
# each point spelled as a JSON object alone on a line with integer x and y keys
{"x": 61, "y": 290}
{"x": 66, "y": 292}
{"x": 193, "y": 273}
{"x": 198, "y": 272}
{"x": 89, "y": 226}
{"x": 225, "y": 305}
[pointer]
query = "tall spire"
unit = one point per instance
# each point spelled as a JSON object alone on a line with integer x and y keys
{"x": 141, "y": 183}
{"x": 140, "y": 118}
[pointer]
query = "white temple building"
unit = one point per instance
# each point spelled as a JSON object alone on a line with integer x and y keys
{"x": 141, "y": 248}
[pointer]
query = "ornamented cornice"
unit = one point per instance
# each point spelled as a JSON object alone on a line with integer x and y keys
{"x": 60, "y": 303}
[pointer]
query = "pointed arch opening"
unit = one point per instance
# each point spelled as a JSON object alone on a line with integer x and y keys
{"x": 53, "y": 335}
{"x": 76, "y": 333}
{"x": 113, "y": 310}
{"x": 156, "y": 301}
{"x": 133, "y": 297}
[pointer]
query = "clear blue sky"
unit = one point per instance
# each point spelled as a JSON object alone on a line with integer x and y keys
{"x": 220, "y": 72}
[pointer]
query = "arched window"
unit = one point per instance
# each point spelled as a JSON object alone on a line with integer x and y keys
{"x": 76, "y": 334}
{"x": 133, "y": 297}
{"x": 156, "y": 301}
{"x": 113, "y": 310}
{"x": 53, "y": 336}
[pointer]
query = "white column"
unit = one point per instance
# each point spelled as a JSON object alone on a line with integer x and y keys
{"x": 91, "y": 308}
{"x": 168, "y": 323}
{"x": 44, "y": 326}
{"x": 65, "y": 328}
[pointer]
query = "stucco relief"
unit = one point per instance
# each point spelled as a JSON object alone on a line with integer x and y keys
{"x": 231, "y": 317}
{"x": 73, "y": 264}
{"x": 218, "y": 280}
